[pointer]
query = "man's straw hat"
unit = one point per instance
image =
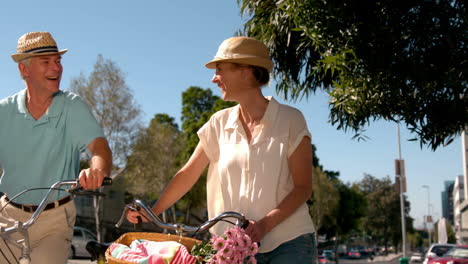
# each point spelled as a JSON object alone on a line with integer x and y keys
{"x": 36, "y": 44}
{"x": 243, "y": 50}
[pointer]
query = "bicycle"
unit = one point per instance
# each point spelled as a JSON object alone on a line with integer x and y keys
{"x": 21, "y": 228}
{"x": 100, "y": 253}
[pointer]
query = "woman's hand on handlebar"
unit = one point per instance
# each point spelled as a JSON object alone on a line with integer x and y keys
{"x": 256, "y": 230}
{"x": 132, "y": 216}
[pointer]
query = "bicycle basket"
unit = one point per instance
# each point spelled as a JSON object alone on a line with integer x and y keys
{"x": 128, "y": 238}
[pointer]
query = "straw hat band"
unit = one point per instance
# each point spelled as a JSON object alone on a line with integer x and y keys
{"x": 226, "y": 55}
{"x": 42, "y": 49}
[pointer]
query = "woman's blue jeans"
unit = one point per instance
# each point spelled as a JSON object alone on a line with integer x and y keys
{"x": 301, "y": 250}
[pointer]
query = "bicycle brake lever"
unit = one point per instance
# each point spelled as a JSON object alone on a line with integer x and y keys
{"x": 75, "y": 189}
{"x": 139, "y": 225}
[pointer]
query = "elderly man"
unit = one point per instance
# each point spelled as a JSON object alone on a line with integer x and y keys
{"x": 43, "y": 132}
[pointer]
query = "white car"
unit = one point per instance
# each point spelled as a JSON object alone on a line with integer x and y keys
{"x": 416, "y": 257}
{"x": 81, "y": 236}
{"x": 437, "y": 250}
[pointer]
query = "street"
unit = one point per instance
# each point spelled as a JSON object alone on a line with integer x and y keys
{"x": 390, "y": 259}
{"x": 80, "y": 261}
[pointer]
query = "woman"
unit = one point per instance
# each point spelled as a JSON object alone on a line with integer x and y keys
{"x": 260, "y": 158}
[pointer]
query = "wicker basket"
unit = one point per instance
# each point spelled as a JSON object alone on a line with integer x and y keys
{"x": 128, "y": 238}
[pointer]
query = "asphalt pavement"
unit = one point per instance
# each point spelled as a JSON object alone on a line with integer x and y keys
{"x": 81, "y": 261}
{"x": 389, "y": 259}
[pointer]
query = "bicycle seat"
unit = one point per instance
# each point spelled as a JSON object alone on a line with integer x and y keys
{"x": 96, "y": 249}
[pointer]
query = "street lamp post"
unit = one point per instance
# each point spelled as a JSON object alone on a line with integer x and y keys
{"x": 402, "y": 201}
{"x": 428, "y": 213}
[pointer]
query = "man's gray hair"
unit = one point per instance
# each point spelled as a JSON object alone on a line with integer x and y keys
{"x": 26, "y": 62}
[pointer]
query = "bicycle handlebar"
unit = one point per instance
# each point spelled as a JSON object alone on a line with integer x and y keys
{"x": 241, "y": 221}
{"x": 45, "y": 201}
{"x": 22, "y": 228}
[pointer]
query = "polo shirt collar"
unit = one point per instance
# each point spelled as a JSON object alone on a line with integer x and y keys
{"x": 54, "y": 109}
{"x": 22, "y": 109}
{"x": 268, "y": 117}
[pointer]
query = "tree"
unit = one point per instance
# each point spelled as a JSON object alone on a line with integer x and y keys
{"x": 331, "y": 175}
{"x": 382, "y": 220}
{"x": 451, "y": 236}
{"x": 402, "y": 61}
{"x": 346, "y": 216}
{"x": 154, "y": 159}
{"x": 324, "y": 200}
{"x": 383, "y": 210}
{"x": 113, "y": 105}
{"x": 197, "y": 107}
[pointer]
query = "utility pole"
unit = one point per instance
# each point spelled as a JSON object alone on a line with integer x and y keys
{"x": 428, "y": 219}
{"x": 400, "y": 175}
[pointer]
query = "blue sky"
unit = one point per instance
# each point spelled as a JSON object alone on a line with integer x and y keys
{"x": 162, "y": 47}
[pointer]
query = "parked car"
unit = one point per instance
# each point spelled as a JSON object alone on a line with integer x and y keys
{"x": 81, "y": 236}
{"x": 416, "y": 257}
{"x": 328, "y": 254}
{"x": 437, "y": 250}
{"x": 457, "y": 254}
{"x": 322, "y": 260}
{"x": 354, "y": 254}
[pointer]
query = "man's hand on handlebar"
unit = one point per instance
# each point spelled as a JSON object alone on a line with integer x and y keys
{"x": 91, "y": 179}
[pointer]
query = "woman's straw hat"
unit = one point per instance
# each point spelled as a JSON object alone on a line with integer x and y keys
{"x": 36, "y": 44}
{"x": 243, "y": 50}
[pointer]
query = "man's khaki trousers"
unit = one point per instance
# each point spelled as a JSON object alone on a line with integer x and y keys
{"x": 50, "y": 237}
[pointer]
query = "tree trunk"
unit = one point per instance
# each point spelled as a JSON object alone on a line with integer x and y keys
{"x": 335, "y": 249}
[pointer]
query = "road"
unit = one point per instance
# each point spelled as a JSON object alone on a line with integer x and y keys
{"x": 391, "y": 259}
{"x": 80, "y": 261}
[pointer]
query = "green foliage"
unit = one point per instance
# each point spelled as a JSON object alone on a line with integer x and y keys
{"x": 197, "y": 107}
{"x": 346, "y": 216}
{"x": 324, "y": 200}
{"x": 416, "y": 240}
{"x": 331, "y": 175}
{"x": 112, "y": 103}
{"x": 383, "y": 215}
{"x": 393, "y": 60}
{"x": 203, "y": 251}
{"x": 154, "y": 158}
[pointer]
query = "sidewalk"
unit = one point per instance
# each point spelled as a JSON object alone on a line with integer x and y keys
{"x": 385, "y": 259}
{"x": 80, "y": 261}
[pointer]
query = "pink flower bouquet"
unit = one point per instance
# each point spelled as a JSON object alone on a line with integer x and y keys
{"x": 233, "y": 247}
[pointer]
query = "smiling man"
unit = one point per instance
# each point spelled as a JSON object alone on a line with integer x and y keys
{"x": 43, "y": 132}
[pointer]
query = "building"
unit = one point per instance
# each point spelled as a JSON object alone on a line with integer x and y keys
{"x": 447, "y": 201}
{"x": 463, "y": 231}
{"x": 458, "y": 198}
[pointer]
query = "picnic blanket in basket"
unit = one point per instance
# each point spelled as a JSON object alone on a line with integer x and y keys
{"x": 151, "y": 248}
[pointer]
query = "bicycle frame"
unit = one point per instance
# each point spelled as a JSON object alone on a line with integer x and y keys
{"x": 22, "y": 228}
{"x": 97, "y": 250}
{"x": 241, "y": 221}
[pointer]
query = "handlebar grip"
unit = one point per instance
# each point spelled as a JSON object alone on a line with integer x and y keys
{"x": 246, "y": 224}
{"x": 139, "y": 225}
{"x": 107, "y": 181}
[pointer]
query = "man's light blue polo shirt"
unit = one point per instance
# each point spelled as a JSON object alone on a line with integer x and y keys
{"x": 38, "y": 153}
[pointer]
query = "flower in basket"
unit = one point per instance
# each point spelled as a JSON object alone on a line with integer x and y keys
{"x": 233, "y": 247}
